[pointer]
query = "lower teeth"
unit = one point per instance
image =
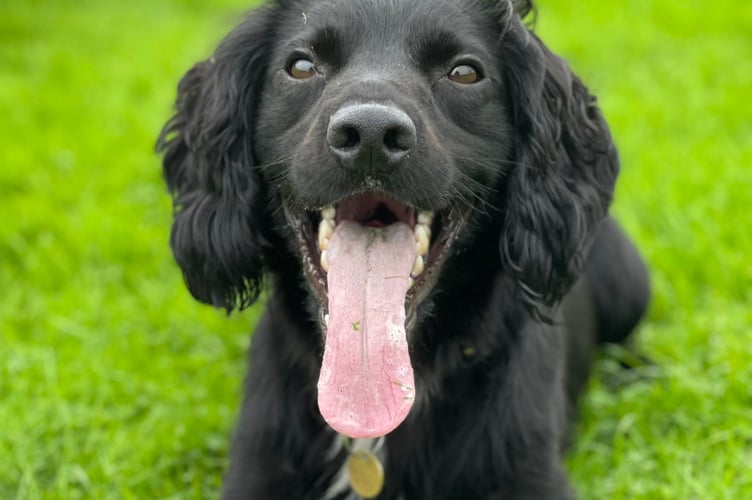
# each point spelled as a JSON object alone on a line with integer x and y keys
{"x": 324, "y": 262}
{"x": 418, "y": 266}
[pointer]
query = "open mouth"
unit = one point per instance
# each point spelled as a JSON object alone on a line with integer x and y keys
{"x": 370, "y": 260}
{"x": 433, "y": 231}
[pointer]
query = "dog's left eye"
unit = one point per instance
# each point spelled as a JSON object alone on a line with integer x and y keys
{"x": 302, "y": 69}
{"x": 464, "y": 73}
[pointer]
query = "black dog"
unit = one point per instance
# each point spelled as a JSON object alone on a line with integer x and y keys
{"x": 426, "y": 188}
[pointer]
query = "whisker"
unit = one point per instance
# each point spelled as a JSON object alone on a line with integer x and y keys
{"x": 274, "y": 163}
{"x": 477, "y": 192}
{"x": 280, "y": 175}
{"x": 486, "y": 161}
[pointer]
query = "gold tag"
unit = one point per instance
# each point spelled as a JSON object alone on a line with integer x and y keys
{"x": 366, "y": 473}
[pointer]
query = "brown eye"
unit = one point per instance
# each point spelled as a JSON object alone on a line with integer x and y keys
{"x": 302, "y": 69}
{"x": 464, "y": 73}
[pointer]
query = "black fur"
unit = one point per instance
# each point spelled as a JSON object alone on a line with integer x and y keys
{"x": 539, "y": 273}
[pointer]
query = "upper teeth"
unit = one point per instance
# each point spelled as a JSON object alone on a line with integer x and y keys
{"x": 326, "y": 226}
{"x": 326, "y": 230}
{"x": 418, "y": 266}
{"x": 324, "y": 262}
{"x": 425, "y": 218}
{"x": 422, "y": 238}
{"x": 422, "y": 233}
{"x": 328, "y": 213}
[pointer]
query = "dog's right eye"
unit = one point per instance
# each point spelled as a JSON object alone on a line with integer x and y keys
{"x": 302, "y": 69}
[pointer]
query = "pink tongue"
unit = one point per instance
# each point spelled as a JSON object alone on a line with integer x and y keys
{"x": 366, "y": 385}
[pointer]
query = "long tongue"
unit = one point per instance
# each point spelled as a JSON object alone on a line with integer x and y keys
{"x": 366, "y": 385}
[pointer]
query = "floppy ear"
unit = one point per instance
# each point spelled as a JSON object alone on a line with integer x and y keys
{"x": 218, "y": 197}
{"x": 565, "y": 169}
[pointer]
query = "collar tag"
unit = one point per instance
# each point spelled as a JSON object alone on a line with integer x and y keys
{"x": 366, "y": 473}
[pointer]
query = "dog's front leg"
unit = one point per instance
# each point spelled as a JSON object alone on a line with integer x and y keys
{"x": 279, "y": 444}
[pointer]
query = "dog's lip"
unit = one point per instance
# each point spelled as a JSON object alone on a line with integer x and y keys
{"x": 445, "y": 228}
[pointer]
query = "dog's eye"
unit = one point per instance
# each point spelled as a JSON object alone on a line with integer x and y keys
{"x": 302, "y": 69}
{"x": 464, "y": 73}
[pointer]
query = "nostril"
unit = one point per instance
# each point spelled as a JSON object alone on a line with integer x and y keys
{"x": 343, "y": 137}
{"x": 352, "y": 138}
{"x": 390, "y": 139}
{"x": 398, "y": 139}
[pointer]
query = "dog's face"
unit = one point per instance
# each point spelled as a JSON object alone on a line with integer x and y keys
{"x": 382, "y": 122}
{"x": 370, "y": 137}
{"x": 382, "y": 114}
{"x": 382, "y": 97}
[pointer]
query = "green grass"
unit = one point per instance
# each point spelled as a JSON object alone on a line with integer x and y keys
{"x": 114, "y": 383}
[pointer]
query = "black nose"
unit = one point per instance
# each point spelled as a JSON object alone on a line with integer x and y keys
{"x": 371, "y": 138}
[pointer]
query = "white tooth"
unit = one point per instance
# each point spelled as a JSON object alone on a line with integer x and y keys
{"x": 326, "y": 319}
{"x": 328, "y": 213}
{"x": 324, "y": 262}
{"x": 418, "y": 266}
{"x": 422, "y": 238}
{"x": 425, "y": 218}
{"x": 410, "y": 282}
{"x": 326, "y": 230}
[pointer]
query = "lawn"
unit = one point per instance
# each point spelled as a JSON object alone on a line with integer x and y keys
{"x": 114, "y": 383}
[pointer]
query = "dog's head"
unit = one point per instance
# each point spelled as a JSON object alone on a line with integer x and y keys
{"x": 365, "y": 139}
